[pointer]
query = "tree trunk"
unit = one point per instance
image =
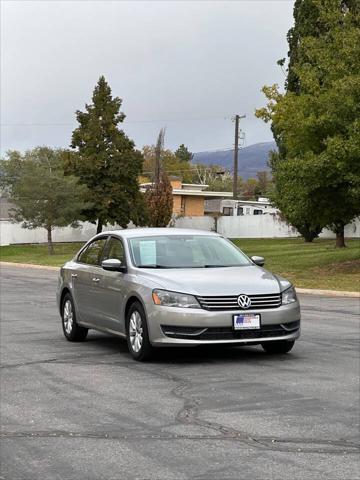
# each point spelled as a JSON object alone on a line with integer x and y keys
{"x": 308, "y": 232}
{"x": 99, "y": 226}
{"x": 49, "y": 240}
{"x": 340, "y": 236}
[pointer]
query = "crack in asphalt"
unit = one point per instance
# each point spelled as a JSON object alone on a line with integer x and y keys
{"x": 25, "y": 364}
{"x": 65, "y": 361}
{"x": 344, "y": 447}
{"x": 188, "y": 415}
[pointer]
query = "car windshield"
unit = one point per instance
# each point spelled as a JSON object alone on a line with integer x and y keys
{"x": 185, "y": 251}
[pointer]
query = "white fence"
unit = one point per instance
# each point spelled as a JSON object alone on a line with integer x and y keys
{"x": 13, "y": 233}
{"x": 255, "y": 226}
{"x": 199, "y": 223}
{"x": 246, "y": 226}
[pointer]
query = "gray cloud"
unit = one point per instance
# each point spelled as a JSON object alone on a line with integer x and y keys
{"x": 184, "y": 65}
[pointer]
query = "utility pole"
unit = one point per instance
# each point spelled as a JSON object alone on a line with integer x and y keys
{"x": 236, "y": 154}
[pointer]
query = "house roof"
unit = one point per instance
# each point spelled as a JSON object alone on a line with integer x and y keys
{"x": 193, "y": 190}
{"x": 194, "y": 186}
{"x": 201, "y": 193}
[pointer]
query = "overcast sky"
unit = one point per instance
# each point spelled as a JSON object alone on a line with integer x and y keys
{"x": 186, "y": 65}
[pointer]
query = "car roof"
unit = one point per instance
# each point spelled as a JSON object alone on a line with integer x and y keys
{"x": 151, "y": 232}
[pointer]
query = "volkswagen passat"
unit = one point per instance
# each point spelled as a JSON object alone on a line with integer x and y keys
{"x": 174, "y": 287}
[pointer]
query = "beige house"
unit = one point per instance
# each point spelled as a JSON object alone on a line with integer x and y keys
{"x": 189, "y": 198}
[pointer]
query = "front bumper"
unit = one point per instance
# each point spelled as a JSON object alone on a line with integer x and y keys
{"x": 170, "y": 326}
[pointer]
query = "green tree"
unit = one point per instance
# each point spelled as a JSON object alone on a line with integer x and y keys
{"x": 307, "y": 23}
{"x": 223, "y": 182}
{"x": 158, "y": 197}
{"x": 107, "y": 162}
{"x": 291, "y": 196}
{"x": 171, "y": 164}
{"x": 264, "y": 185}
{"x": 249, "y": 189}
{"x": 183, "y": 154}
{"x": 311, "y": 22}
{"x": 43, "y": 196}
{"x": 316, "y": 121}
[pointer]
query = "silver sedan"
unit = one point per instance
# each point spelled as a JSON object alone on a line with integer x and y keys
{"x": 175, "y": 287}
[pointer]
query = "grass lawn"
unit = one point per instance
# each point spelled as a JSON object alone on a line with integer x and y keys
{"x": 308, "y": 265}
{"x": 38, "y": 254}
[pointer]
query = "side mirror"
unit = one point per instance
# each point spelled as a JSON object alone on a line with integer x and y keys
{"x": 260, "y": 261}
{"x": 113, "y": 265}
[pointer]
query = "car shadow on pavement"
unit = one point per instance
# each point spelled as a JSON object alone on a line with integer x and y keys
{"x": 211, "y": 354}
{"x": 187, "y": 355}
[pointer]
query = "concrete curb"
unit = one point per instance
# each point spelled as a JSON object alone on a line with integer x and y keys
{"x": 306, "y": 291}
{"x": 330, "y": 293}
{"x": 28, "y": 265}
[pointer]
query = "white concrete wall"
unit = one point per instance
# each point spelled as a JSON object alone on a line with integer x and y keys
{"x": 246, "y": 226}
{"x": 14, "y": 233}
{"x": 255, "y": 226}
{"x": 200, "y": 223}
{"x": 352, "y": 230}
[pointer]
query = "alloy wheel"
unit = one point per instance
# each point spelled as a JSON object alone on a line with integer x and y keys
{"x": 68, "y": 317}
{"x": 136, "y": 331}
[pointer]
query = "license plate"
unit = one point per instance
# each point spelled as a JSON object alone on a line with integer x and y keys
{"x": 246, "y": 321}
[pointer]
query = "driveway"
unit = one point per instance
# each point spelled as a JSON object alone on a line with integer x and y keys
{"x": 87, "y": 411}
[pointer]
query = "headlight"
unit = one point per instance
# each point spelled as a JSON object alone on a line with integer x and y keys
{"x": 174, "y": 299}
{"x": 289, "y": 296}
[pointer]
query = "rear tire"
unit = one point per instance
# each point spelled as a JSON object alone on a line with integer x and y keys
{"x": 137, "y": 333}
{"x": 72, "y": 331}
{"x": 279, "y": 347}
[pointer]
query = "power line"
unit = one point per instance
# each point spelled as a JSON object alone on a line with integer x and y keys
{"x": 60, "y": 124}
{"x": 182, "y": 170}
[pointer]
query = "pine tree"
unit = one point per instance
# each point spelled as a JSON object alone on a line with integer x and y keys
{"x": 183, "y": 154}
{"x": 107, "y": 162}
{"x": 310, "y": 22}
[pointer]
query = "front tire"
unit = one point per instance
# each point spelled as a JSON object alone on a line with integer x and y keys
{"x": 279, "y": 347}
{"x": 137, "y": 333}
{"x": 72, "y": 331}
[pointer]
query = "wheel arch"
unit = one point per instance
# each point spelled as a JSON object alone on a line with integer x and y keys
{"x": 130, "y": 301}
{"x": 64, "y": 291}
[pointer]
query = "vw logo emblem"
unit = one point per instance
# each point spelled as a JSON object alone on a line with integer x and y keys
{"x": 244, "y": 301}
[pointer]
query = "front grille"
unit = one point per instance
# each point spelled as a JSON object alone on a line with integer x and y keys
{"x": 228, "y": 333}
{"x": 258, "y": 302}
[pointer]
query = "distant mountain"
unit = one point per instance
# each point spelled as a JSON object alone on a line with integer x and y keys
{"x": 252, "y": 159}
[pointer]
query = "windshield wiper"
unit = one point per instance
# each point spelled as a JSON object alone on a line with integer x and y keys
{"x": 218, "y": 266}
{"x": 152, "y": 266}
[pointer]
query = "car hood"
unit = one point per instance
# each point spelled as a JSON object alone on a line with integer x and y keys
{"x": 248, "y": 279}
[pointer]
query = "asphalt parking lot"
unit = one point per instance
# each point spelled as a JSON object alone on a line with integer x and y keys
{"x": 88, "y": 411}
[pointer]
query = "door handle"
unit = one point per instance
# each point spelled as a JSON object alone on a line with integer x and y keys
{"x": 96, "y": 279}
{"x": 74, "y": 275}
